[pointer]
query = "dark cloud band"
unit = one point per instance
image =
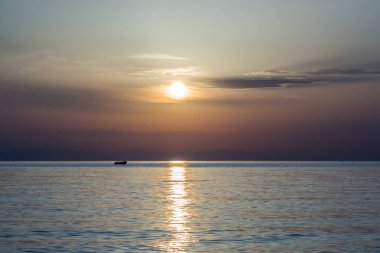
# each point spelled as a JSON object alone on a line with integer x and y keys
{"x": 278, "y": 79}
{"x": 244, "y": 83}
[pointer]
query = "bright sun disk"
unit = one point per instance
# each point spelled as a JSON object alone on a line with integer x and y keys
{"x": 177, "y": 90}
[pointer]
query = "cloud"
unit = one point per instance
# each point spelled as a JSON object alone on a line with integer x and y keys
{"x": 158, "y": 73}
{"x": 49, "y": 65}
{"x": 159, "y": 57}
{"x": 244, "y": 83}
{"x": 16, "y": 94}
{"x": 348, "y": 71}
{"x": 281, "y": 78}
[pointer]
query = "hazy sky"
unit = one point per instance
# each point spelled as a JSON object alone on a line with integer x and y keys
{"x": 276, "y": 80}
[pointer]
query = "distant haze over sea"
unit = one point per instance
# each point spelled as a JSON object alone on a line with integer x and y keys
{"x": 44, "y": 154}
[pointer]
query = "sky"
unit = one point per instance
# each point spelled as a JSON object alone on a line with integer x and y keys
{"x": 267, "y": 80}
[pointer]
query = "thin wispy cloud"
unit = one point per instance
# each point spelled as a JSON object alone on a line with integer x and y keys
{"x": 347, "y": 71}
{"x": 159, "y": 57}
{"x": 158, "y": 73}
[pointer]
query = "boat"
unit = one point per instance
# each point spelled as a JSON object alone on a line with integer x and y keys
{"x": 120, "y": 163}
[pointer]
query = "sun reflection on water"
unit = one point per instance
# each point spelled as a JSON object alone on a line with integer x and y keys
{"x": 178, "y": 211}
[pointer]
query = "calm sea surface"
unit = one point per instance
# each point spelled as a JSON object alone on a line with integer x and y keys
{"x": 193, "y": 207}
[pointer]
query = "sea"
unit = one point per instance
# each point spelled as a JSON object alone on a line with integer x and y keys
{"x": 190, "y": 207}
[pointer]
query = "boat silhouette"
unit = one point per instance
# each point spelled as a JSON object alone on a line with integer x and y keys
{"x": 120, "y": 163}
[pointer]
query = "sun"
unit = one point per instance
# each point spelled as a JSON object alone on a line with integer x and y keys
{"x": 177, "y": 90}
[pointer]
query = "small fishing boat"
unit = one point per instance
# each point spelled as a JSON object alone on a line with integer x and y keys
{"x": 120, "y": 163}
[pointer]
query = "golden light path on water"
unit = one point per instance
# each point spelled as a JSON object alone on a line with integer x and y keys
{"x": 179, "y": 214}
